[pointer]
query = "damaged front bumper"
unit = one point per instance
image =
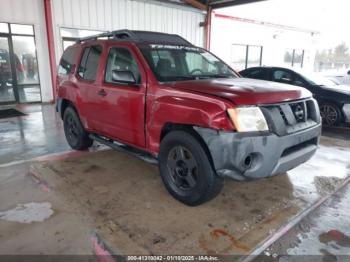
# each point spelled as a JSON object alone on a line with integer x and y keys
{"x": 244, "y": 156}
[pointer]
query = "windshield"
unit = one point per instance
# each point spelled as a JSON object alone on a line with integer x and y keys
{"x": 175, "y": 63}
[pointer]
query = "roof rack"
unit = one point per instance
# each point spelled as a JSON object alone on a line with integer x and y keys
{"x": 118, "y": 34}
{"x": 140, "y": 36}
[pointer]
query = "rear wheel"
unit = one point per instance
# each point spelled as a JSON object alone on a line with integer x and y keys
{"x": 186, "y": 169}
{"x": 331, "y": 114}
{"x": 76, "y": 136}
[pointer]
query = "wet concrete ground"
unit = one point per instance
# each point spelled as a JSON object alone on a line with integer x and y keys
{"x": 322, "y": 235}
{"x": 38, "y": 133}
{"x": 63, "y": 232}
{"x": 123, "y": 199}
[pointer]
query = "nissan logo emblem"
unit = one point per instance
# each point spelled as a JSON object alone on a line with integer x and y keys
{"x": 299, "y": 112}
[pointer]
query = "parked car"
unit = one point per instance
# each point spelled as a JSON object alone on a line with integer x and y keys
{"x": 334, "y": 79}
{"x": 333, "y": 98}
{"x": 340, "y": 78}
{"x": 160, "y": 94}
{"x": 5, "y": 69}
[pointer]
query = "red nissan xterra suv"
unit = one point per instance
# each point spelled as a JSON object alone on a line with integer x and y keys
{"x": 159, "y": 94}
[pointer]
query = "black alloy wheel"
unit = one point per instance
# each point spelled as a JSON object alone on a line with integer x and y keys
{"x": 72, "y": 128}
{"x": 182, "y": 167}
{"x": 331, "y": 115}
{"x": 186, "y": 168}
{"x": 76, "y": 136}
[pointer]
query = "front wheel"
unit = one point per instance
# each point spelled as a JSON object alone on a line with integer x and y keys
{"x": 76, "y": 136}
{"x": 186, "y": 169}
{"x": 331, "y": 114}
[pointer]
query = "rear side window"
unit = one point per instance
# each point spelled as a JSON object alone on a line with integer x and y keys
{"x": 282, "y": 76}
{"x": 89, "y": 62}
{"x": 67, "y": 61}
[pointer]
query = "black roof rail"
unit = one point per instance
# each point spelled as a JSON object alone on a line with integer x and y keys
{"x": 140, "y": 36}
{"x": 118, "y": 34}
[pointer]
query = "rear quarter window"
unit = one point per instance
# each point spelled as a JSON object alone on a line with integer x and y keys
{"x": 67, "y": 61}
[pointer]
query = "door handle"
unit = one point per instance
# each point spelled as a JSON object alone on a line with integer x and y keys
{"x": 102, "y": 92}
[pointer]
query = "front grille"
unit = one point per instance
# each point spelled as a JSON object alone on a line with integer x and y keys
{"x": 291, "y": 117}
{"x": 299, "y": 111}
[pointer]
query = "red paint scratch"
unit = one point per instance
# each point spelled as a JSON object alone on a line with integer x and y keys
{"x": 102, "y": 254}
{"x": 42, "y": 184}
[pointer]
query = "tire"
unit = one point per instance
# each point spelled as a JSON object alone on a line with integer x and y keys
{"x": 331, "y": 114}
{"x": 76, "y": 136}
{"x": 186, "y": 169}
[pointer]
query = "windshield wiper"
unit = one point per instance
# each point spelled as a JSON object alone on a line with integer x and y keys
{"x": 177, "y": 78}
{"x": 194, "y": 77}
{"x": 214, "y": 76}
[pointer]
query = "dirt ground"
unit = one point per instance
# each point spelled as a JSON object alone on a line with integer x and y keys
{"x": 123, "y": 200}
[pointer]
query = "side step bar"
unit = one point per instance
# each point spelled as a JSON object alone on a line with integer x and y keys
{"x": 147, "y": 157}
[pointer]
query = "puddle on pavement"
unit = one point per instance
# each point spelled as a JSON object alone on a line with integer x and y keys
{"x": 322, "y": 174}
{"x": 28, "y": 213}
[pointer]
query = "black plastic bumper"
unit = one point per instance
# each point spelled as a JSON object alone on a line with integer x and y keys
{"x": 249, "y": 156}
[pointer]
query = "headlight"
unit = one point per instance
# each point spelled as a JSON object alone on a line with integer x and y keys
{"x": 248, "y": 119}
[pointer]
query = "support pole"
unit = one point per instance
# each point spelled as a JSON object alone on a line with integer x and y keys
{"x": 51, "y": 44}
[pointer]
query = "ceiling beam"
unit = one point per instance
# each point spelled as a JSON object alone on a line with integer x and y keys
{"x": 226, "y": 3}
{"x": 196, "y": 4}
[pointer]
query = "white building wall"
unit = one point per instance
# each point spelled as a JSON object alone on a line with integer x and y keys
{"x": 32, "y": 12}
{"x": 275, "y": 41}
{"x": 108, "y": 15}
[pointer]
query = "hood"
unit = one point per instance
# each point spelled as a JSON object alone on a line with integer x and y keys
{"x": 244, "y": 91}
{"x": 343, "y": 89}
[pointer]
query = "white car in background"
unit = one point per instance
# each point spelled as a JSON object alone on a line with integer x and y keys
{"x": 339, "y": 78}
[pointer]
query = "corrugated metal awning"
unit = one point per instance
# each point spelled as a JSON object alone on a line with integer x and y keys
{"x": 204, "y": 4}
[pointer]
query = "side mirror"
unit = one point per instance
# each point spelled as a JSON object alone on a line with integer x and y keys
{"x": 123, "y": 76}
{"x": 349, "y": 72}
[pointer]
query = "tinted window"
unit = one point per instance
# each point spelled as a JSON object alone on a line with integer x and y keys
{"x": 298, "y": 81}
{"x": 67, "y": 61}
{"x": 89, "y": 62}
{"x": 257, "y": 73}
{"x": 81, "y": 69}
{"x": 121, "y": 59}
{"x": 163, "y": 55}
{"x": 282, "y": 76}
